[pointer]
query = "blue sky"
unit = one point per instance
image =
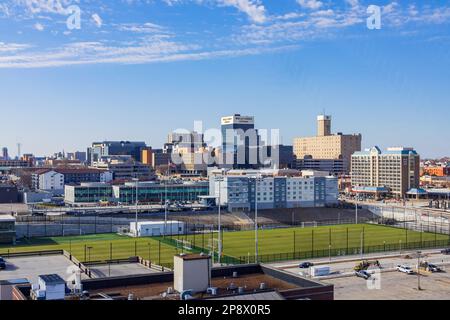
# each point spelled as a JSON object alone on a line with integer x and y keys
{"x": 137, "y": 69}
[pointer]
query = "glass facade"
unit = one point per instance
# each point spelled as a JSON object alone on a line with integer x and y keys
{"x": 157, "y": 193}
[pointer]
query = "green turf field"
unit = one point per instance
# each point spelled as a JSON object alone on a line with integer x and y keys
{"x": 122, "y": 247}
{"x": 235, "y": 244}
{"x": 239, "y": 244}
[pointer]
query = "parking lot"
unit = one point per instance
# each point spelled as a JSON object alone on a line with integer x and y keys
{"x": 31, "y": 267}
{"x": 392, "y": 285}
{"x": 119, "y": 270}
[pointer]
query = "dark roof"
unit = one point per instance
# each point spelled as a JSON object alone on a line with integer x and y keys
{"x": 193, "y": 256}
{"x": 70, "y": 170}
{"x": 52, "y": 279}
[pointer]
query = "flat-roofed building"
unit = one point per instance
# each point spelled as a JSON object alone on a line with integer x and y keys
{"x": 436, "y": 171}
{"x": 396, "y": 169}
{"x": 240, "y": 142}
{"x": 241, "y": 189}
{"x": 152, "y": 192}
{"x": 88, "y": 193}
{"x": 332, "y": 166}
{"x": 8, "y": 193}
{"x": 327, "y": 145}
{"x": 7, "y": 229}
{"x": 124, "y": 167}
{"x": 115, "y": 148}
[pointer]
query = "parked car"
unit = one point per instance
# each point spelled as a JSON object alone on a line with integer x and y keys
{"x": 405, "y": 269}
{"x": 363, "y": 274}
{"x": 433, "y": 268}
{"x": 446, "y": 251}
{"x": 2, "y": 264}
{"x": 305, "y": 265}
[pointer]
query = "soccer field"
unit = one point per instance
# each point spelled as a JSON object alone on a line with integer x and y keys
{"x": 98, "y": 247}
{"x": 90, "y": 248}
{"x": 288, "y": 240}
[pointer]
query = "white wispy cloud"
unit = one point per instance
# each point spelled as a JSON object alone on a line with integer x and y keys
{"x": 310, "y": 4}
{"x": 84, "y": 53}
{"x": 324, "y": 20}
{"x": 45, "y": 6}
{"x": 147, "y": 27}
{"x": 148, "y": 42}
{"x": 38, "y": 26}
{"x": 254, "y": 9}
{"x": 12, "y": 47}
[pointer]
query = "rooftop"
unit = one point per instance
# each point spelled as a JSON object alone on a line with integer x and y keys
{"x": 7, "y": 218}
{"x": 252, "y": 282}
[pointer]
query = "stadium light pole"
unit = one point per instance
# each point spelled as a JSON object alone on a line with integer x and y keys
{"x": 257, "y": 179}
{"x": 418, "y": 270}
{"x": 136, "y": 218}
{"x": 165, "y": 200}
{"x": 219, "y": 180}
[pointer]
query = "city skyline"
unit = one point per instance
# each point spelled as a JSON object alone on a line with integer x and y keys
{"x": 136, "y": 70}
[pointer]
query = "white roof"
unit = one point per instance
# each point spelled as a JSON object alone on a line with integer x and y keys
{"x": 7, "y": 218}
{"x": 157, "y": 222}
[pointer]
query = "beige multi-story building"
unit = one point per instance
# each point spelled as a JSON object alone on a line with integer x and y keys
{"x": 327, "y": 145}
{"x": 397, "y": 170}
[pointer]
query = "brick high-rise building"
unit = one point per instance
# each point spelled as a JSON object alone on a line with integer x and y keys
{"x": 397, "y": 169}
{"x": 327, "y": 145}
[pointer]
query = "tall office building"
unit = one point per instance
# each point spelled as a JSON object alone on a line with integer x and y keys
{"x": 240, "y": 142}
{"x": 115, "y": 148}
{"x": 397, "y": 170}
{"x": 327, "y": 145}
{"x": 186, "y": 142}
{"x": 80, "y": 156}
{"x": 5, "y": 155}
